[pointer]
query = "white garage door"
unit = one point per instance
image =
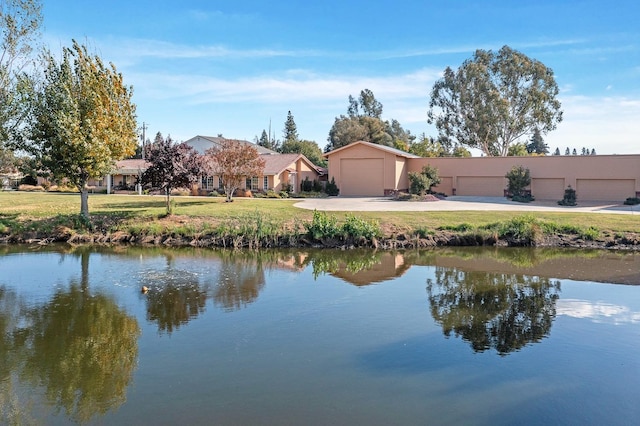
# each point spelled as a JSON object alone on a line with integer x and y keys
{"x": 481, "y": 186}
{"x": 362, "y": 176}
{"x": 605, "y": 189}
{"x": 547, "y": 188}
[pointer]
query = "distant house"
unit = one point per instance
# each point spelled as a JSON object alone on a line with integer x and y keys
{"x": 280, "y": 170}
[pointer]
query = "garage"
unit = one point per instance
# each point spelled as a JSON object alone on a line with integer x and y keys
{"x": 547, "y": 188}
{"x": 362, "y": 176}
{"x": 486, "y": 186}
{"x": 605, "y": 189}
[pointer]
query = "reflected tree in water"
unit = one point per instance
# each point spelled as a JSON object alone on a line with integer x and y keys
{"x": 493, "y": 310}
{"x": 240, "y": 281}
{"x": 174, "y": 298}
{"x": 80, "y": 347}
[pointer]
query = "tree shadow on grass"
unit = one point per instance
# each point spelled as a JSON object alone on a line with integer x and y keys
{"x": 54, "y": 226}
{"x": 159, "y": 203}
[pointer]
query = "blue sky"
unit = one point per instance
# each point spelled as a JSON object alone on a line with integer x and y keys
{"x": 231, "y": 67}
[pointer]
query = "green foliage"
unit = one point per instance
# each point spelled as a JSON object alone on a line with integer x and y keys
{"x": 418, "y": 183}
{"x": 309, "y": 149}
{"x": 290, "y": 132}
{"x": 519, "y": 178}
{"x": 363, "y": 122}
{"x": 331, "y": 188}
{"x": 537, "y": 146}
{"x": 463, "y": 227}
{"x": 632, "y": 201}
{"x": 570, "y": 198}
{"x": 322, "y": 226}
{"x": 357, "y": 228}
{"x": 526, "y": 228}
{"x": 306, "y": 185}
{"x": 84, "y": 119}
{"x": 493, "y": 99}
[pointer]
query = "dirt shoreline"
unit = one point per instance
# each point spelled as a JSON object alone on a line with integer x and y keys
{"x": 629, "y": 241}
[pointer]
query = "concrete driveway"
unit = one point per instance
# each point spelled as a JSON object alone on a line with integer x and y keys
{"x": 455, "y": 203}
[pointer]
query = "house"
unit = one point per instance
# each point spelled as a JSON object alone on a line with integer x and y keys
{"x": 280, "y": 170}
{"x": 367, "y": 169}
{"x": 124, "y": 177}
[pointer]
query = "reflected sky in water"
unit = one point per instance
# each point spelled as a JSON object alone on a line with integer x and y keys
{"x": 449, "y": 336}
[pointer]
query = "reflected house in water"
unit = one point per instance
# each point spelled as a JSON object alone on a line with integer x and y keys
{"x": 389, "y": 266}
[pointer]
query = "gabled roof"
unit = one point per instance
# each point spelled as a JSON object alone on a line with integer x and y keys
{"x": 131, "y": 166}
{"x": 218, "y": 141}
{"x": 276, "y": 164}
{"x": 376, "y": 146}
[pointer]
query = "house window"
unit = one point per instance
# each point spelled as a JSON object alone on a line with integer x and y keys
{"x": 207, "y": 182}
{"x": 220, "y": 183}
{"x": 252, "y": 183}
{"x": 265, "y": 182}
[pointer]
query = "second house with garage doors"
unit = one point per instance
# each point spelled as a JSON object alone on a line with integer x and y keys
{"x": 367, "y": 169}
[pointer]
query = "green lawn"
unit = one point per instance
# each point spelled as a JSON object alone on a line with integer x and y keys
{"x": 18, "y": 208}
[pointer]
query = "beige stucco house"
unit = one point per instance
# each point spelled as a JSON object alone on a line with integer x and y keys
{"x": 367, "y": 169}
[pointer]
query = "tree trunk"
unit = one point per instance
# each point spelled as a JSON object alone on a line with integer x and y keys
{"x": 84, "y": 202}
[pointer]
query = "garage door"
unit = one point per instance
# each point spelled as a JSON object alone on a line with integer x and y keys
{"x": 482, "y": 186}
{"x": 605, "y": 189}
{"x": 362, "y": 176}
{"x": 547, "y": 188}
{"x": 445, "y": 186}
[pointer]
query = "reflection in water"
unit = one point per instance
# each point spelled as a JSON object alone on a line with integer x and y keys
{"x": 80, "y": 347}
{"x": 240, "y": 281}
{"x": 174, "y": 298}
{"x": 493, "y": 310}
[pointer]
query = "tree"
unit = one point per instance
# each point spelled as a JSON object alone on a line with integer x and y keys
{"x": 268, "y": 142}
{"x": 20, "y": 21}
{"x": 234, "y": 161}
{"x": 574, "y": 152}
{"x": 536, "y": 145}
{"x": 493, "y": 99}
{"x": 363, "y": 122}
{"x": 84, "y": 120}
{"x": 593, "y": 151}
{"x": 369, "y": 104}
{"x": 290, "y": 132}
{"x": 309, "y": 149}
{"x": 557, "y": 151}
{"x": 567, "y": 151}
{"x": 518, "y": 149}
{"x": 423, "y": 181}
{"x": 172, "y": 166}
{"x": 429, "y": 147}
{"x": 519, "y": 178}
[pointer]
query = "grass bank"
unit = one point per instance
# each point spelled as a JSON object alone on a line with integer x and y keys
{"x": 270, "y": 222}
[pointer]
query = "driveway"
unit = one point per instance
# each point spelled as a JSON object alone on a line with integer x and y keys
{"x": 457, "y": 203}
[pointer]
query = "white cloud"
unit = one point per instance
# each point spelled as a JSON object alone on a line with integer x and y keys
{"x": 597, "y": 311}
{"x": 611, "y": 125}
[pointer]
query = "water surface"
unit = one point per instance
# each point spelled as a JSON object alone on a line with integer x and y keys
{"x": 449, "y": 336}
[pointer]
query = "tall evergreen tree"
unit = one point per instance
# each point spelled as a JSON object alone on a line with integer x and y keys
{"x": 290, "y": 129}
{"x": 557, "y": 151}
{"x": 536, "y": 145}
{"x": 567, "y": 151}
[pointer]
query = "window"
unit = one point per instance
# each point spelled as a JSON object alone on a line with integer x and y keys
{"x": 207, "y": 182}
{"x": 265, "y": 183}
{"x": 220, "y": 183}
{"x": 252, "y": 183}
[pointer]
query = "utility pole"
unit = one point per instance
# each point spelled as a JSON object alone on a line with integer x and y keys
{"x": 144, "y": 137}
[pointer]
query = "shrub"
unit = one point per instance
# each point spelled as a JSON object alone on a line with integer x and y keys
{"x": 519, "y": 178}
{"x": 632, "y": 201}
{"x": 418, "y": 183}
{"x": 322, "y": 226}
{"x": 306, "y": 185}
{"x": 569, "y": 197}
{"x": 30, "y": 188}
{"x": 317, "y": 186}
{"x": 331, "y": 188}
{"x": 272, "y": 194}
{"x": 355, "y": 227}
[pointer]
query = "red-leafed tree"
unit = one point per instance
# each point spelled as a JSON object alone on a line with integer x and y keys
{"x": 234, "y": 161}
{"x": 172, "y": 166}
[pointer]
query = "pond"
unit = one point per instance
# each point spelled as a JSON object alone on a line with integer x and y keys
{"x": 447, "y": 336}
